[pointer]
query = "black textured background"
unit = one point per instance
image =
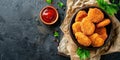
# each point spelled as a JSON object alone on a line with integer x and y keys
{"x": 24, "y": 37}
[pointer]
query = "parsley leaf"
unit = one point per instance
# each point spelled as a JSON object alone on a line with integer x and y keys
{"x": 113, "y": 1}
{"x": 60, "y": 4}
{"x": 109, "y": 8}
{"x": 83, "y": 54}
{"x": 49, "y": 1}
{"x": 56, "y": 34}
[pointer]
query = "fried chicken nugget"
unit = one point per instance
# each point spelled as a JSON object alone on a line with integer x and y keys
{"x": 80, "y": 15}
{"x": 103, "y": 23}
{"x": 87, "y": 27}
{"x": 97, "y": 41}
{"x": 102, "y": 32}
{"x": 76, "y": 27}
{"x": 82, "y": 39}
{"x": 95, "y": 14}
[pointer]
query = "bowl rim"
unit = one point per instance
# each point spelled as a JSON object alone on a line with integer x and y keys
{"x": 56, "y": 19}
{"x": 75, "y": 40}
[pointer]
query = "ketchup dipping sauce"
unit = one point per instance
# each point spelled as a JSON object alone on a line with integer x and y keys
{"x": 48, "y": 15}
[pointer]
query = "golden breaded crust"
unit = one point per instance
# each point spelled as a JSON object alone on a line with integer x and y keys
{"x": 95, "y": 14}
{"x": 76, "y": 27}
{"x": 87, "y": 27}
{"x": 97, "y": 41}
{"x": 80, "y": 15}
{"x": 105, "y": 22}
{"x": 102, "y": 32}
{"x": 82, "y": 39}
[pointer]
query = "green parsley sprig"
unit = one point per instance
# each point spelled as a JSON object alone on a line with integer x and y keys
{"x": 56, "y": 34}
{"x": 49, "y": 1}
{"x": 109, "y": 8}
{"x": 60, "y": 4}
{"x": 83, "y": 54}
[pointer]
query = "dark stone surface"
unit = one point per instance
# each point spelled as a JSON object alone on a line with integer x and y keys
{"x": 113, "y": 56}
{"x": 23, "y": 36}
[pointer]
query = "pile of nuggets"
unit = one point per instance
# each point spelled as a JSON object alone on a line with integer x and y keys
{"x": 90, "y": 28}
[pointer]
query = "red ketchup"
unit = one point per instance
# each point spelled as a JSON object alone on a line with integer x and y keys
{"x": 49, "y": 14}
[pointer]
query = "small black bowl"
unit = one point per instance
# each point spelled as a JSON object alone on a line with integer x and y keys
{"x": 108, "y": 27}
